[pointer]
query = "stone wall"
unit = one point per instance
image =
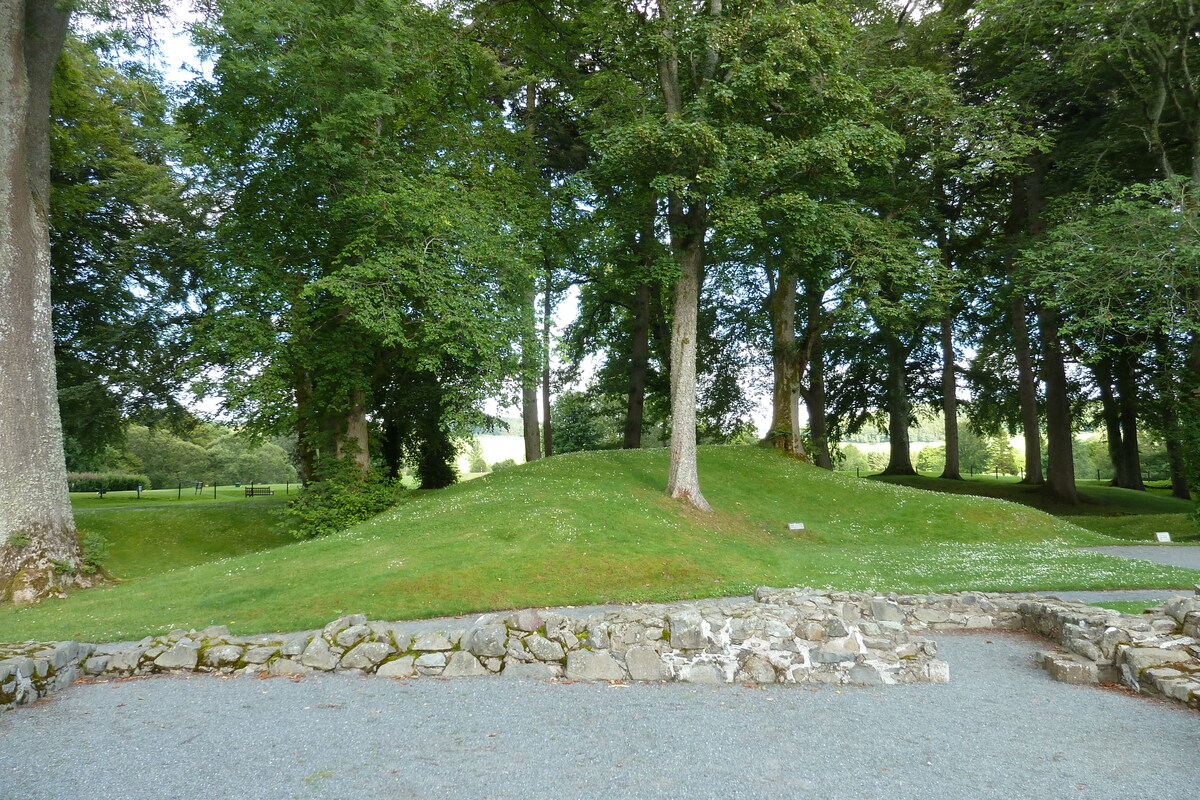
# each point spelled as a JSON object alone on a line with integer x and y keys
{"x": 782, "y": 636}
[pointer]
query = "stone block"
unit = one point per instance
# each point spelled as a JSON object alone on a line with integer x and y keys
{"x": 214, "y": 632}
{"x": 95, "y": 665}
{"x": 286, "y": 666}
{"x": 430, "y": 661}
{"x": 463, "y": 665}
{"x": 1140, "y": 658}
{"x": 340, "y": 624}
{"x": 543, "y": 649}
{"x": 319, "y": 655}
{"x": 587, "y": 665}
{"x": 223, "y": 655}
{"x": 487, "y": 640}
{"x": 702, "y": 672}
{"x": 528, "y": 620}
{"x": 886, "y": 611}
{"x": 645, "y": 664}
{"x": 184, "y": 655}
{"x": 351, "y": 636}
{"x": 403, "y": 667}
{"x": 431, "y": 642}
{"x": 931, "y": 615}
{"x": 366, "y": 656}
{"x": 260, "y": 655}
{"x": 757, "y": 669}
{"x": 865, "y": 675}
{"x": 1072, "y": 669}
{"x": 532, "y": 669}
{"x": 687, "y": 631}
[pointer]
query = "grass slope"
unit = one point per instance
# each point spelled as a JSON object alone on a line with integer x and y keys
{"x": 150, "y": 539}
{"x": 591, "y": 527}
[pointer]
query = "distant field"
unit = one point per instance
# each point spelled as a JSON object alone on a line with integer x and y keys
{"x": 597, "y": 527}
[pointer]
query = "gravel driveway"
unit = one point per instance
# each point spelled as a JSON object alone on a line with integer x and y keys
{"x": 1177, "y": 556}
{"x": 999, "y": 729}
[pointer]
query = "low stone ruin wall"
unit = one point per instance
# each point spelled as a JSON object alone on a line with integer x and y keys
{"x": 782, "y": 636}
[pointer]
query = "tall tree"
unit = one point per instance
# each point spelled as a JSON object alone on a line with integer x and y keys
{"x": 39, "y": 552}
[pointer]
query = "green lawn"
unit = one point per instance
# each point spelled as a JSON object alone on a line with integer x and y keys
{"x": 592, "y": 527}
{"x": 156, "y": 537}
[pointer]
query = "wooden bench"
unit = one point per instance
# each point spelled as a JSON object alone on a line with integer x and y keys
{"x": 259, "y": 491}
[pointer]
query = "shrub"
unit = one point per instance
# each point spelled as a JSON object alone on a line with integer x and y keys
{"x": 108, "y": 481}
{"x": 344, "y": 497}
{"x": 505, "y": 464}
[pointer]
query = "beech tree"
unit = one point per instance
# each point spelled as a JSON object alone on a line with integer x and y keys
{"x": 39, "y": 552}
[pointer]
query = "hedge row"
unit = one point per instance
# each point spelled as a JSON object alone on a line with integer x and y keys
{"x": 109, "y": 481}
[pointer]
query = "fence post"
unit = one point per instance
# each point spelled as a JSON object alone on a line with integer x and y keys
{"x": 179, "y": 494}
{"x": 214, "y": 490}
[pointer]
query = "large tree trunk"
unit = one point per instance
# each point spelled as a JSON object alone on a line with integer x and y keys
{"x": 547, "y": 311}
{"x": 814, "y": 396}
{"x": 354, "y": 439}
{"x": 639, "y": 364}
{"x": 1131, "y": 458}
{"x": 950, "y": 400}
{"x": 305, "y": 435}
{"x": 683, "y": 480}
{"x": 1060, "y": 468}
{"x": 814, "y": 401}
{"x": 529, "y": 383}
{"x": 529, "y": 335}
{"x": 1112, "y": 422}
{"x": 898, "y": 407}
{"x": 39, "y": 551}
{"x": 784, "y": 434}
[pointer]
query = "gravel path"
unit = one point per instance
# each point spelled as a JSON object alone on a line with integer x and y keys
{"x": 1175, "y": 556}
{"x": 999, "y": 729}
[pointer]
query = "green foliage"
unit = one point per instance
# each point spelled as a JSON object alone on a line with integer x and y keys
{"x": 108, "y": 481}
{"x": 477, "y": 463}
{"x": 932, "y": 459}
{"x": 95, "y": 549}
{"x": 342, "y": 498}
{"x": 505, "y": 464}
{"x": 125, "y": 248}
{"x": 236, "y": 459}
{"x": 19, "y": 540}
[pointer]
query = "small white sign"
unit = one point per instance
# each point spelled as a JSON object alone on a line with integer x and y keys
{"x": 1163, "y": 536}
{"x": 795, "y": 526}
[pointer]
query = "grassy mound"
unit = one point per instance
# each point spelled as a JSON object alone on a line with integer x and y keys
{"x": 592, "y": 527}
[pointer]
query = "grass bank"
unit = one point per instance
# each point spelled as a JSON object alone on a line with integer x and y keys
{"x": 594, "y": 527}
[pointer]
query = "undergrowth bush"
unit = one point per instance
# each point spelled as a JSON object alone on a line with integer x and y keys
{"x": 344, "y": 497}
{"x": 108, "y": 481}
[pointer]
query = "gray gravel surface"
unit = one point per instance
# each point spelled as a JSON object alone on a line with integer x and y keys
{"x": 1174, "y": 555}
{"x": 999, "y": 729}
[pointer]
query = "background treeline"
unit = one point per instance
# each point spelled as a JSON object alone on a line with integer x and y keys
{"x": 359, "y": 227}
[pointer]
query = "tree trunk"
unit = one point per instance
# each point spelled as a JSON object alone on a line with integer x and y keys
{"x": 529, "y": 336}
{"x": 547, "y": 311}
{"x": 305, "y": 452}
{"x": 354, "y": 439}
{"x": 1060, "y": 469}
{"x": 639, "y": 364}
{"x": 683, "y": 480}
{"x": 898, "y": 407}
{"x": 1128, "y": 403}
{"x": 39, "y": 551}
{"x": 950, "y": 400}
{"x": 1112, "y": 422}
{"x": 814, "y": 401}
{"x": 529, "y": 386}
{"x": 391, "y": 448}
{"x": 784, "y": 434}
